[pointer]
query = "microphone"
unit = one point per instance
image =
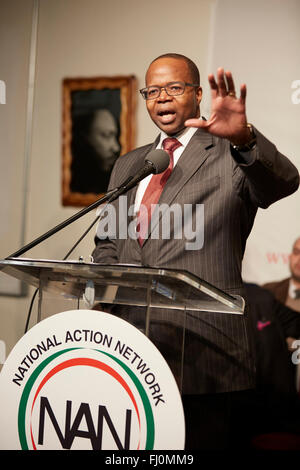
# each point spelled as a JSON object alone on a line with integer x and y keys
{"x": 159, "y": 159}
{"x": 155, "y": 162}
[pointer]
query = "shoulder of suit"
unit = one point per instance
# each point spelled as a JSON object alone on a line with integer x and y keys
{"x": 126, "y": 165}
{"x": 134, "y": 154}
{"x": 276, "y": 283}
{"x": 278, "y": 287}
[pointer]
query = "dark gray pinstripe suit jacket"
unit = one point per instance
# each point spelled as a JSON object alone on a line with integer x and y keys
{"x": 218, "y": 359}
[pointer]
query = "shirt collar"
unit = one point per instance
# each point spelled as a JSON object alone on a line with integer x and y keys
{"x": 292, "y": 289}
{"x": 183, "y": 137}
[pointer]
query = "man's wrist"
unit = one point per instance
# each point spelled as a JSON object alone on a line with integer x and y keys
{"x": 244, "y": 144}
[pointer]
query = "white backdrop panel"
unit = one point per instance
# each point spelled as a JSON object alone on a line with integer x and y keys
{"x": 259, "y": 42}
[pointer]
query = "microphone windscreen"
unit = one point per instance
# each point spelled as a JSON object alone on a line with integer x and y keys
{"x": 160, "y": 160}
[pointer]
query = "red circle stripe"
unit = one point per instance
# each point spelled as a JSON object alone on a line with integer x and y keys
{"x": 84, "y": 362}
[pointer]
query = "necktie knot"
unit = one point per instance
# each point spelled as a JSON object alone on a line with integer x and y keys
{"x": 170, "y": 144}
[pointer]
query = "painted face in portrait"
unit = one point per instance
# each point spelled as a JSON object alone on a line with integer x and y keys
{"x": 103, "y": 138}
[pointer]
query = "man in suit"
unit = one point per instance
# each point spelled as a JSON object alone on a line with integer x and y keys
{"x": 287, "y": 291}
{"x": 232, "y": 169}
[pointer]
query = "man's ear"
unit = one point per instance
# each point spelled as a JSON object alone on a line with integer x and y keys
{"x": 199, "y": 94}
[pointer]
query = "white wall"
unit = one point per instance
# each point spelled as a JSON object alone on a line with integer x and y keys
{"x": 15, "y": 28}
{"x": 259, "y": 41}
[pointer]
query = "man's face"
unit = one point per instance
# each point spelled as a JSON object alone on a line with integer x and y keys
{"x": 169, "y": 113}
{"x": 103, "y": 138}
{"x": 295, "y": 261}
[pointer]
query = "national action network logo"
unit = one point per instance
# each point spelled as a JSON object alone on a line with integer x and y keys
{"x": 81, "y": 419}
{"x": 84, "y": 386}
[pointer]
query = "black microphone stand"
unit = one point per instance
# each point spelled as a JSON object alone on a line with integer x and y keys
{"x": 108, "y": 197}
{"x": 158, "y": 165}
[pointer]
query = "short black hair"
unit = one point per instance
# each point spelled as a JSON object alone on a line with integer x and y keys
{"x": 191, "y": 65}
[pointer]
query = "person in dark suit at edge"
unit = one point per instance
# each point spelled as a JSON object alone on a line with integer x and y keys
{"x": 276, "y": 404}
{"x": 227, "y": 165}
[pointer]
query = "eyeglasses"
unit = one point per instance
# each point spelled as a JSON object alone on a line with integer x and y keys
{"x": 172, "y": 89}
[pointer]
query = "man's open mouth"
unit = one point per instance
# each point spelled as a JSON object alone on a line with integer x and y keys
{"x": 166, "y": 116}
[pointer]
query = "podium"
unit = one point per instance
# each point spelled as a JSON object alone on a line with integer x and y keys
{"x": 162, "y": 303}
{"x": 107, "y": 362}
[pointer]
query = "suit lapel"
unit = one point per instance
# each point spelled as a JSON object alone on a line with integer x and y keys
{"x": 193, "y": 156}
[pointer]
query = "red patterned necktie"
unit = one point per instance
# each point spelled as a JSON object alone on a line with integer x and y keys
{"x": 154, "y": 190}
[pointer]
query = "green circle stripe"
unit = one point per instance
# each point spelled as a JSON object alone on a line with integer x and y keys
{"x": 147, "y": 406}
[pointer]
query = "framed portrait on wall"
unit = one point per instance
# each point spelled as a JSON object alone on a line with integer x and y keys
{"x": 98, "y": 126}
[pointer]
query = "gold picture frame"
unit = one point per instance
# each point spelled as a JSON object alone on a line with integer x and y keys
{"x": 98, "y": 125}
